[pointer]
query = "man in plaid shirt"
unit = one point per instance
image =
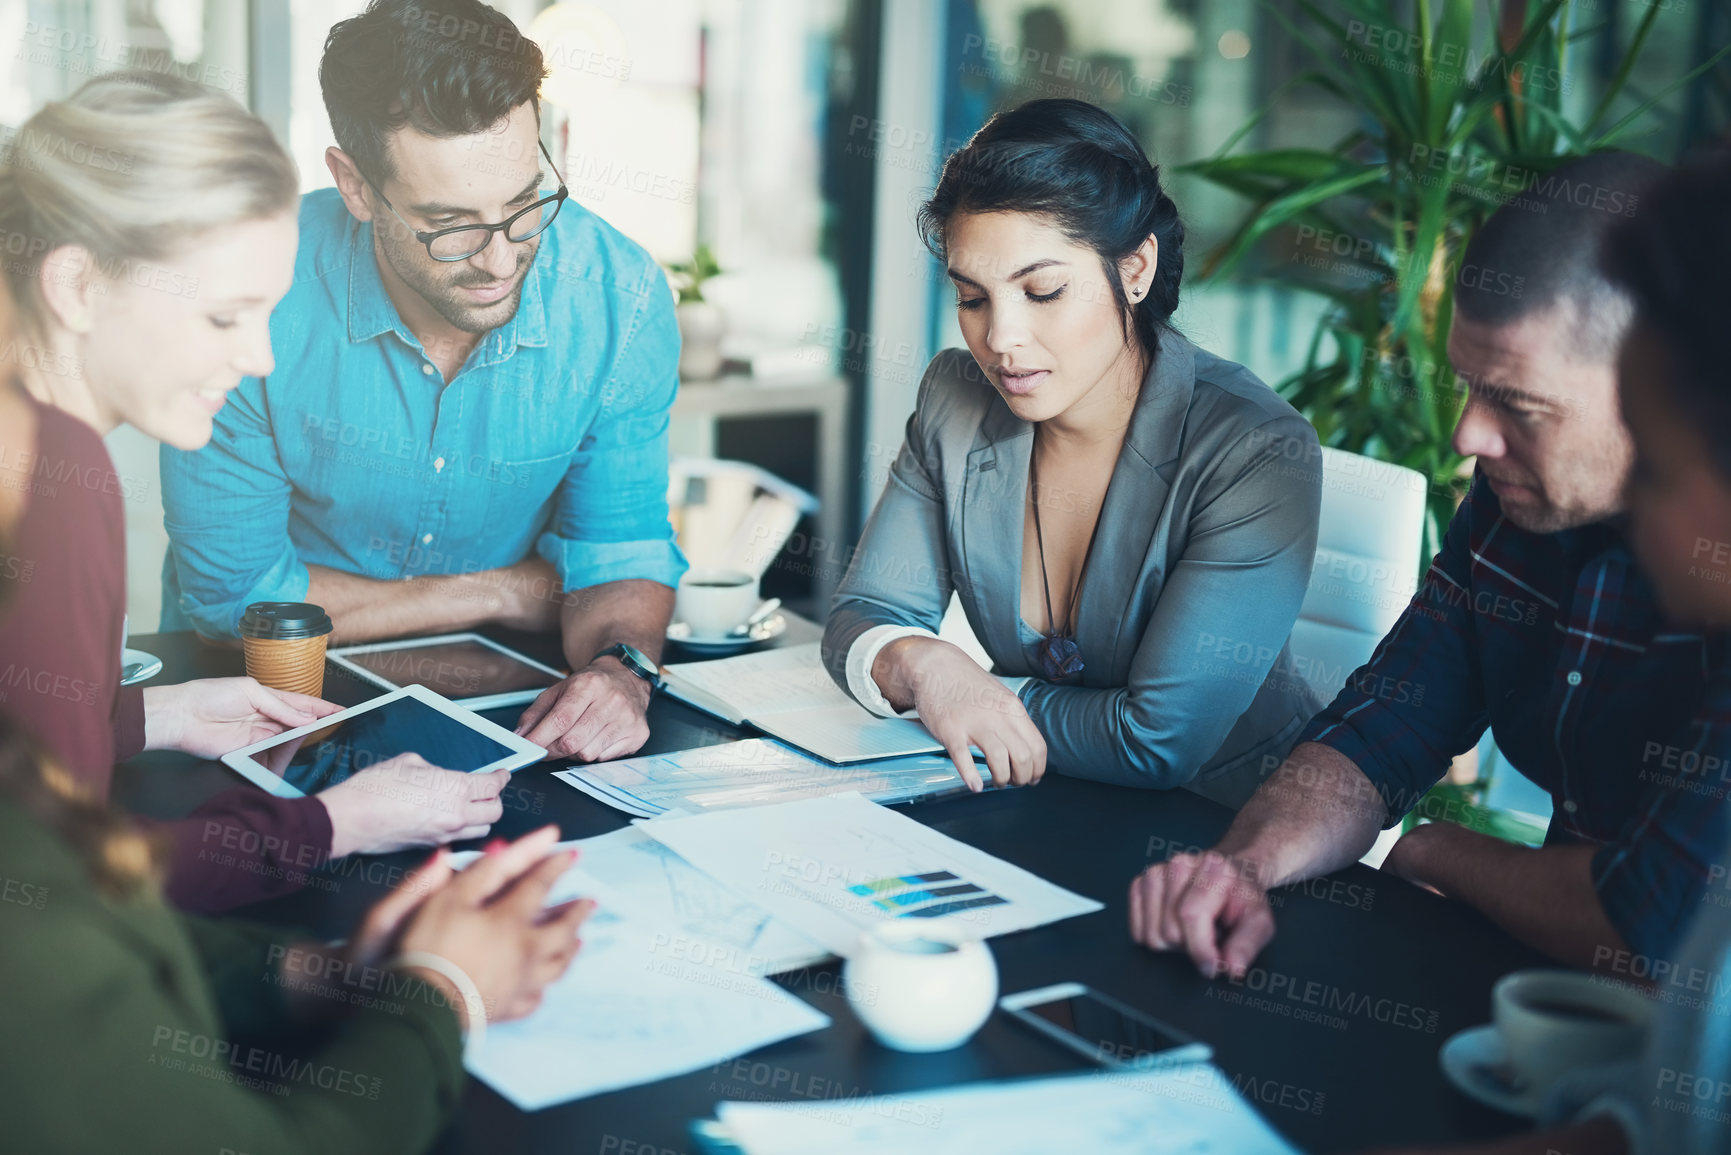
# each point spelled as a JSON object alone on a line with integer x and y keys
{"x": 1533, "y": 620}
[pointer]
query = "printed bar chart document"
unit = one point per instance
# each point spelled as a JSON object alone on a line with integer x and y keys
{"x": 1188, "y": 1109}
{"x": 754, "y": 772}
{"x": 831, "y": 867}
{"x": 787, "y": 692}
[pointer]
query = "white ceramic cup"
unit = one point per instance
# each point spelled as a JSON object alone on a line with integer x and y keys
{"x": 1554, "y": 1021}
{"x": 920, "y": 985}
{"x": 713, "y": 601}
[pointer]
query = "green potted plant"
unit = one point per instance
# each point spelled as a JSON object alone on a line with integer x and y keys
{"x": 1449, "y": 127}
{"x": 702, "y": 323}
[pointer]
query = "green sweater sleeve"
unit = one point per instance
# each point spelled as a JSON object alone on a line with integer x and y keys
{"x": 239, "y": 961}
{"x": 122, "y": 1041}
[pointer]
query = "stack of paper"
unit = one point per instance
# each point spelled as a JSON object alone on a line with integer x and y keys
{"x": 754, "y": 772}
{"x": 832, "y": 867}
{"x": 1184, "y": 1110}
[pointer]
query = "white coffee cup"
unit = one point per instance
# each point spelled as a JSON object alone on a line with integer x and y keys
{"x": 920, "y": 985}
{"x": 1554, "y": 1021}
{"x": 712, "y": 601}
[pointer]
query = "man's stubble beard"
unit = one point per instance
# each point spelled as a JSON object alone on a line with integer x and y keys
{"x": 442, "y": 295}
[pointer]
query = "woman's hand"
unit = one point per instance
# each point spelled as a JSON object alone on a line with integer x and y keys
{"x": 963, "y": 706}
{"x": 489, "y": 922}
{"x": 212, "y": 716}
{"x": 406, "y": 801}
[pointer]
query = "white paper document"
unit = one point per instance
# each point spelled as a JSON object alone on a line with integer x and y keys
{"x": 1185, "y": 1110}
{"x": 833, "y": 866}
{"x": 787, "y": 692}
{"x": 725, "y": 928}
{"x": 644, "y": 1000}
{"x": 751, "y": 773}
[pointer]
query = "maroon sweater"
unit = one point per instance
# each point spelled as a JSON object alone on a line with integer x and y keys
{"x": 60, "y": 674}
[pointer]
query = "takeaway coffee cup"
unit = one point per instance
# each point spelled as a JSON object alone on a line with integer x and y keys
{"x": 284, "y": 644}
{"x": 1554, "y": 1021}
{"x": 713, "y": 601}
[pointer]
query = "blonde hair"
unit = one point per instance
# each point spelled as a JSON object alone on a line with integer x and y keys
{"x": 132, "y": 166}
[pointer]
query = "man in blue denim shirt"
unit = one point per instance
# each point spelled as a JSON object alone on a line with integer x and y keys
{"x": 462, "y": 427}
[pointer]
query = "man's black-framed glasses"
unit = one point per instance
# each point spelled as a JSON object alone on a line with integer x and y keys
{"x": 460, "y": 242}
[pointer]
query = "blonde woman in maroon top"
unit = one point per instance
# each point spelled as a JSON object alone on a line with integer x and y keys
{"x": 156, "y": 222}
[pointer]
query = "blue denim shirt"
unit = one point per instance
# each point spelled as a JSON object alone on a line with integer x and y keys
{"x": 356, "y": 455}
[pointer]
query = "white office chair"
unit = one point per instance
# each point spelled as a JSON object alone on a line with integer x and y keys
{"x": 1366, "y": 567}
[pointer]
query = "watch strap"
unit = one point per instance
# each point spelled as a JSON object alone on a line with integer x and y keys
{"x": 634, "y": 660}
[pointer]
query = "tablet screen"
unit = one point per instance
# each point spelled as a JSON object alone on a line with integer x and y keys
{"x": 456, "y": 670}
{"x": 405, "y": 725}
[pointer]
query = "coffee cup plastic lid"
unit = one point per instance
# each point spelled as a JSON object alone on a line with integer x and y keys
{"x": 284, "y": 621}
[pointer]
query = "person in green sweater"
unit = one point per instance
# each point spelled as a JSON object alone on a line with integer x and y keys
{"x": 132, "y": 1027}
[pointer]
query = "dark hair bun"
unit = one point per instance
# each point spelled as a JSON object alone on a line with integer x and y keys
{"x": 1078, "y": 164}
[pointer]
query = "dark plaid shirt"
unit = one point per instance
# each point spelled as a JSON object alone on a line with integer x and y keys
{"x": 1555, "y": 642}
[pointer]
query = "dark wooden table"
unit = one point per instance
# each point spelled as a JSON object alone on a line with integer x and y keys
{"x": 1333, "y": 1034}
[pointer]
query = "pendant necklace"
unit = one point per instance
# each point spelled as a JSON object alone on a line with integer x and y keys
{"x": 1059, "y": 654}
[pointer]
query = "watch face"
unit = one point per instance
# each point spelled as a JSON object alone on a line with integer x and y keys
{"x": 639, "y": 663}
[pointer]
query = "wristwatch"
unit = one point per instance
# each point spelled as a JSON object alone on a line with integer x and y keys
{"x": 636, "y": 661}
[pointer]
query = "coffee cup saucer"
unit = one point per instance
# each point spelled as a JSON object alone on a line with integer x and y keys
{"x": 1476, "y": 1064}
{"x": 137, "y": 666}
{"x": 713, "y": 645}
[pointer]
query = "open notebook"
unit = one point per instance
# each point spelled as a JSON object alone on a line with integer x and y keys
{"x": 788, "y": 694}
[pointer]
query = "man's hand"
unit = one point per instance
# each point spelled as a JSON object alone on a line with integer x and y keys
{"x": 212, "y": 716}
{"x": 1210, "y": 905}
{"x": 594, "y": 715}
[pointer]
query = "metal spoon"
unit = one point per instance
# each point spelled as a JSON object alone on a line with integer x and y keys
{"x": 760, "y": 614}
{"x": 1502, "y": 1076}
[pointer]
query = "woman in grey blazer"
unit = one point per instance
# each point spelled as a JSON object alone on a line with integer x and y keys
{"x": 1128, "y": 520}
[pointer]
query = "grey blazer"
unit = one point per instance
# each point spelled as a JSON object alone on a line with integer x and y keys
{"x": 1204, "y": 549}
